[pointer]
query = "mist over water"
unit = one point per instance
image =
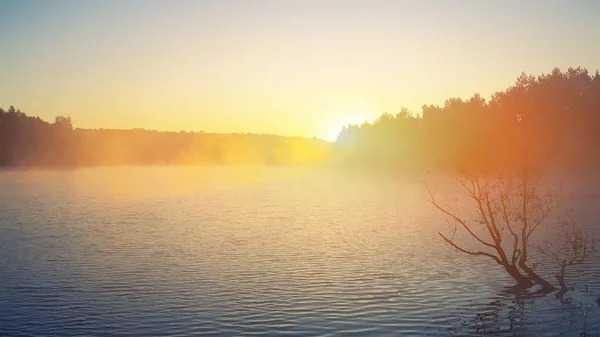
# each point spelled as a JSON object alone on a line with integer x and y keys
{"x": 160, "y": 251}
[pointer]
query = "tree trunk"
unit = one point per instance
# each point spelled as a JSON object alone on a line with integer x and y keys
{"x": 537, "y": 279}
{"x": 523, "y": 282}
{"x": 561, "y": 281}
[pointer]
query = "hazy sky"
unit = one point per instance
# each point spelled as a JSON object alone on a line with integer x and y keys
{"x": 282, "y": 66}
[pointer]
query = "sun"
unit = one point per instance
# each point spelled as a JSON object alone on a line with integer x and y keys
{"x": 332, "y": 133}
{"x": 332, "y": 129}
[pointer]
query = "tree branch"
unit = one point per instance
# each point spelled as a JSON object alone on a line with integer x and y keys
{"x": 450, "y": 242}
{"x": 457, "y": 219}
{"x": 492, "y": 217}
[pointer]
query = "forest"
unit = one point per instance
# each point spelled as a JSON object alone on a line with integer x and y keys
{"x": 551, "y": 121}
{"x": 31, "y": 141}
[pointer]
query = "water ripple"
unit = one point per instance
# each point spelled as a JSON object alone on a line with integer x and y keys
{"x": 310, "y": 254}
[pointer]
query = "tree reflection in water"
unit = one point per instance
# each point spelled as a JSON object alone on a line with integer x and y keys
{"x": 530, "y": 314}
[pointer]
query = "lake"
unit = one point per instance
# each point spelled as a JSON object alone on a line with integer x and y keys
{"x": 177, "y": 251}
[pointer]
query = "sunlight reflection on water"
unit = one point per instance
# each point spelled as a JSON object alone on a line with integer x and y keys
{"x": 269, "y": 251}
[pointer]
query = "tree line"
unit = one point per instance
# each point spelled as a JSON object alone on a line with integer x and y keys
{"x": 552, "y": 119}
{"x": 31, "y": 141}
{"x": 501, "y": 149}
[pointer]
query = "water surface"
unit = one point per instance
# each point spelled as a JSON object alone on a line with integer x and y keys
{"x": 254, "y": 251}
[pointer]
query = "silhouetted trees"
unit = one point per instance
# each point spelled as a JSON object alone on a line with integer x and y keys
{"x": 501, "y": 150}
{"x": 509, "y": 209}
{"x": 30, "y": 141}
{"x": 500, "y": 147}
{"x": 554, "y": 117}
{"x": 573, "y": 247}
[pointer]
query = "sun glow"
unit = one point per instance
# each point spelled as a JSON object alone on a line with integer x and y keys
{"x": 332, "y": 129}
{"x": 332, "y": 133}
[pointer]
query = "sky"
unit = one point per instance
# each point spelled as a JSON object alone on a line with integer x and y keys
{"x": 289, "y": 67}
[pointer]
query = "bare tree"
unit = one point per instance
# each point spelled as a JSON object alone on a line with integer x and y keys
{"x": 573, "y": 246}
{"x": 509, "y": 210}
